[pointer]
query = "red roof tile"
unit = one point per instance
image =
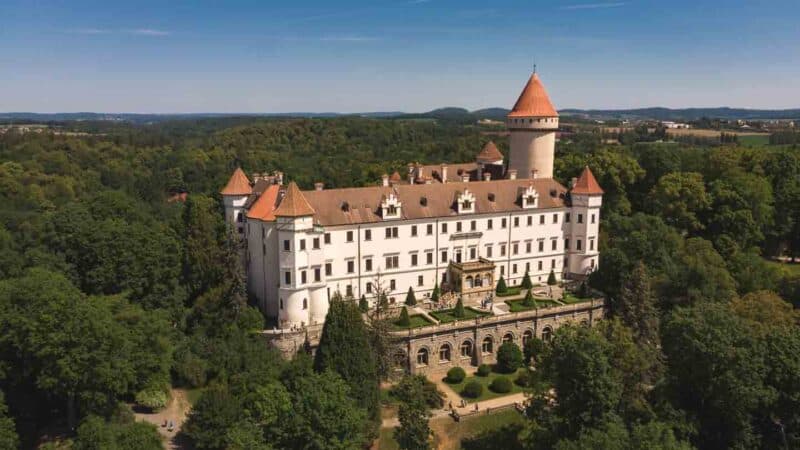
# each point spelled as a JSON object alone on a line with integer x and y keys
{"x": 238, "y": 184}
{"x": 533, "y": 101}
{"x": 587, "y": 183}
{"x": 294, "y": 204}
{"x": 264, "y": 207}
{"x": 490, "y": 153}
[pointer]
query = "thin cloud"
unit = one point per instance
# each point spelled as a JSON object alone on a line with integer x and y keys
{"x": 594, "y": 6}
{"x": 88, "y": 31}
{"x": 149, "y": 32}
{"x": 349, "y": 38}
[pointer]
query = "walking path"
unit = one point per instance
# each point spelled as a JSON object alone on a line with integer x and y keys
{"x": 176, "y": 411}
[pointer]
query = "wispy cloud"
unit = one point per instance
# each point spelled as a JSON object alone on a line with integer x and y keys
{"x": 594, "y": 6}
{"x": 149, "y": 32}
{"x": 87, "y": 31}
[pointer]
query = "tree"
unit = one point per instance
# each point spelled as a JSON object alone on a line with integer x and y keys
{"x": 363, "y": 305}
{"x": 526, "y": 281}
{"x": 551, "y": 279}
{"x": 699, "y": 275}
{"x": 509, "y": 358}
{"x": 411, "y": 300}
{"x": 528, "y": 300}
{"x": 404, "y": 320}
{"x": 216, "y": 412}
{"x": 414, "y": 432}
{"x": 501, "y": 286}
{"x": 97, "y": 434}
{"x": 344, "y": 348}
{"x": 458, "y": 311}
{"x": 415, "y": 387}
{"x": 436, "y": 293}
{"x": 765, "y": 310}
{"x": 8, "y": 433}
{"x": 636, "y": 306}
{"x": 680, "y": 198}
{"x": 456, "y": 375}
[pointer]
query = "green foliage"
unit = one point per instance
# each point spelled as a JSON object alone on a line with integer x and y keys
{"x": 501, "y": 385}
{"x": 473, "y": 389}
{"x": 404, "y": 321}
{"x": 501, "y": 287}
{"x": 458, "y": 310}
{"x": 152, "y": 397}
{"x": 509, "y": 358}
{"x": 363, "y": 305}
{"x": 484, "y": 370}
{"x": 636, "y": 306}
{"x": 534, "y": 350}
{"x": 456, "y": 375}
{"x": 94, "y": 433}
{"x": 528, "y": 300}
{"x": 411, "y": 300}
{"x": 413, "y": 414}
{"x": 526, "y": 281}
{"x": 681, "y": 198}
{"x": 551, "y": 278}
{"x": 436, "y": 293}
{"x": 8, "y": 433}
{"x": 415, "y": 387}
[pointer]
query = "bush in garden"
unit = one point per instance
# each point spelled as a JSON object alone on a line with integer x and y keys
{"x": 456, "y": 375}
{"x": 501, "y": 385}
{"x": 484, "y": 370}
{"x": 473, "y": 389}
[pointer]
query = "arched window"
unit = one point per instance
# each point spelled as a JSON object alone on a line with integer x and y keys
{"x": 466, "y": 349}
{"x": 547, "y": 334}
{"x": 469, "y": 281}
{"x": 508, "y": 338}
{"x": 444, "y": 352}
{"x": 422, "y": 357}
{"x": 527, "y": 336}
{"x": 305, "y": 303}
{"x": 487, "y": 346}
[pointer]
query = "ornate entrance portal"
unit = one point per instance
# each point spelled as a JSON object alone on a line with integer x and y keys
{"x": 474, "y": 280}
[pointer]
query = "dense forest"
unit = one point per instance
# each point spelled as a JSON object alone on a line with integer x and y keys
{"x": 111, "y": 292}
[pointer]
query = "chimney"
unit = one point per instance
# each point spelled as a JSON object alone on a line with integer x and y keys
{"x": 512, "y": 174}
{"x": 573, "y": 182}
{"x": 385, "y": 180}
{"x": 534, "y": 174}
{"x": 465, "y": 177}
{"x": 487, "y": 176}
{"x": 410, "y": 173}
{"x": 279, "y": 177}
{"x": 319, "y": 186}
{"x": 444, "y": 173}
{"x": 420, "y": 171}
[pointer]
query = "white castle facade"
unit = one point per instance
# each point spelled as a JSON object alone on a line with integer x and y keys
{"x": 459, "y": 226}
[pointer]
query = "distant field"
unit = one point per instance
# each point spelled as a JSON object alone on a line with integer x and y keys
{"x": 711, "y": 133}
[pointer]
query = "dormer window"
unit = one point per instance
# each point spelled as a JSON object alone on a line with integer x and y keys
{"x": 466, "y": 202}
{"x": 391, "y": 207}
{"x": 530, "y": 198}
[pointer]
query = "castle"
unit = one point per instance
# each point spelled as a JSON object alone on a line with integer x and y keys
{"x": 459, "y": 226}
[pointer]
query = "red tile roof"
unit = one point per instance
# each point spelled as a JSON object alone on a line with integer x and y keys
{"x": 264, "y": 207}
{"x": 490, "y": 153}
{"x": 238, "y": 184}
{"x": 587, "y": 183}
{"x": 533, "y": 101}
{"x": 294, "y": 204}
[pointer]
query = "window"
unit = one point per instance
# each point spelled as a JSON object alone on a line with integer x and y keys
{"x": 528, "y": 247}
{"x": 566, "y": 217}
{"x": 317, "y": 274}
{"x": 368, "y": 265}
{"x": 489, "y": 224}
{"x": 515, "y": 248}
{"x": 328, "y": 269}
{"x": 486, "y": 346}
{"x": 367, "y": 235}
{"x": 554, "y": 244}
{"x": 530, "y": 220}
{"x": 327, "y": 238}
{"x": 566, "y": 244}
{"x": 444, "y": 256}
{"x": 422, "y": 357}
{"x": 555, "y": 218}
{"x": 593, "y": 218}
{"x": 466, "y": 205}
{"x": 458, "y": 227}
{"x": 413, "y": 230}
{"x": 429, "y": 257}
{"x": 281, "y": 303}
{"x": 552, "y": 263}
{"x": 351, "y": 266}
{"x": 303, "y": 279}
{"x": 315, "y": 243}
{"x": 287, "y": 277}
{"x": 430, "y": 229}
{"x": 349, "y": 290}
{"x": 502, "y": 270}
{"x": 503, "y": 223}
{"x": 513, "y": 268}
{"x": 488, "y": 251}
{"x": 444, "y": 228}
{"x": 369, "y": 287}
{"x": 391, "y": 210}
{"x": 444, "y": 353}
{"x": 502, "y": 249}
{"x": 547, "y": 334}
{"x": 392, "y": 285}
{"x": 302, "y": 244}
{"x": 473, "y": 225}
{"x": 391, "y": 232}
{"x": 540, "y": 266}
{"x": 580, "y": 218}
{"x": 508, "y": 338}
{"x": 286, "y": 245}
{"x": 466, "y": 349}
{"x": 458, "y": 255}
{"x": 392, "y": 262}
{"x": 591, "y": 244}
{"x": 578, "y": 245}
{"x": 526, "y": 337}
{"x": 541, "y": 246}
{"x": 541, "y": 219}
{"x": 413, "y": 259}
{"x": 349, "y": 236}
{"x": 305, "y": 303}
{"x": 516, "y": 222}
{"x": 420, "y": 280}
{"x": 473, "y": 253}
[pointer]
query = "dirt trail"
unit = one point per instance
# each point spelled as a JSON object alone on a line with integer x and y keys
{"x": 176, "y": 411}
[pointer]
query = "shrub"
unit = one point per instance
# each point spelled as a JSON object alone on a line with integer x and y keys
{"x": 529, "y": 301}
{"x": 411, "y": 299}
{"x": 525, "y": 379}
{"x": 583, "y": 292}
{"x": 417, "y": 385}
{"x": 501, "y": 286}
{"x": 436, "y": 293}
{"x": 473, "y": 389}
{"x": 551, "y": 279}
{"x": 509, "y": 358}
{"x": 458, "y": 311}
{"x": 526, "y": 281}
{"x": 152, "y": 397}
{"x": 456, "y": 375}
{"x": 534, "y": 349}
{"x": 363, "y": 305}
{"x": 484, "y": 370}
{"x": 501, "y": 385}
{"x": 404, "y": 320}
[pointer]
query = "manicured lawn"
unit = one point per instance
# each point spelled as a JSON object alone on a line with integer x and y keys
{"x": 415, "y": 321}
{"x": 572, "y": 298}
{"x": 511, "y": 291}
{"x": 517, "y": 306}
{"x": 486, "y": 381}
{"x": 446, "y": 315}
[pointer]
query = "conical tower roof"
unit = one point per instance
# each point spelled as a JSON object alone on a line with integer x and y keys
{"x": 587, "y": 184}
{"x": 533, "y": 101}
{"x": 294, "y": 203}
{"x": 238, "y": 184}
{"x": 490, "y": 153}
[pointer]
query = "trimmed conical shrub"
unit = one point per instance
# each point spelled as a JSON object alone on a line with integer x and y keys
{"x": 404, "y": 320}
{"x": 458, "y": 311}
{"x": 526, "y": 281}
{"x": 529, "y": 301}
{"x": 501, "y": 286}
{"x": 363, "y": 305}
{"x": 436, "y": 293}
{"x": 411, "y": 300}
{"x": 551, "y": 279}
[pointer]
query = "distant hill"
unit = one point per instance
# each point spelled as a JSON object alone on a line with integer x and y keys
{"x": 686, "y": 113}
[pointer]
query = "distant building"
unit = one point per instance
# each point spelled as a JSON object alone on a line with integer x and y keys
{"x": 673, "y": 125}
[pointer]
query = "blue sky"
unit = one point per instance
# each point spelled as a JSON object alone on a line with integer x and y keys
{"x": 409, "y": 55}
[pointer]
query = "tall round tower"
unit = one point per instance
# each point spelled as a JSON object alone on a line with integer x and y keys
{"x": 532, "y": 123}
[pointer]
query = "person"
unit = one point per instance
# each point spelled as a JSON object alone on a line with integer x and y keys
{"x": 171, "y": 426}
{"x": 476, "y": 406}
{"x": 164, "y": 425}
{"x": 451, "y": 406}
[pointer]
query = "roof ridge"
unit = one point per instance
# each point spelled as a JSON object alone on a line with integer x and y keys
{"x": 238, "y": 184}
{"x": 294, "y": 203}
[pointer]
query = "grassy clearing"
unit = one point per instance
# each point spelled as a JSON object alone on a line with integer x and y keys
{"x": 414, "y": 321}
{"x": 572, "y": 298}
{"x": 753, "y": 139}
{"x": 791, "y": 270}
{"x": 446, "y": 316}
{"x": 517, "y": 306}
{"x": 486, "y": 381}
